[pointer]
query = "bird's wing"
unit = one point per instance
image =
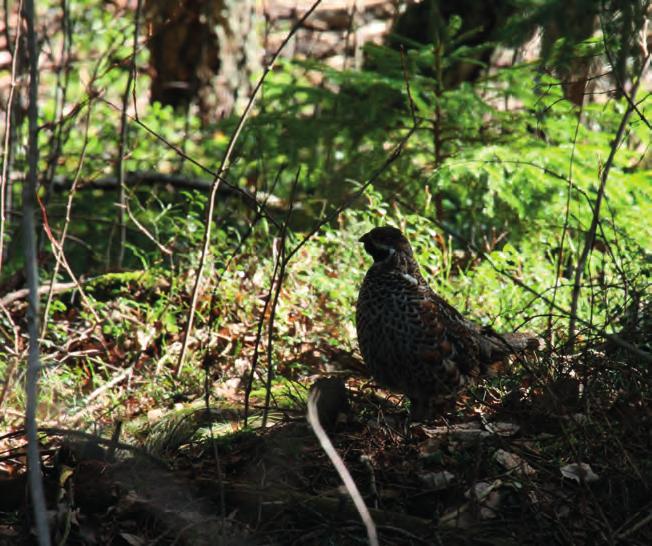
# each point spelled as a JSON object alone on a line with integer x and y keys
{"x": 439, "y": 336}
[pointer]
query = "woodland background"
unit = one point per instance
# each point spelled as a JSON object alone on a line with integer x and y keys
{"x": 183, "y": 187}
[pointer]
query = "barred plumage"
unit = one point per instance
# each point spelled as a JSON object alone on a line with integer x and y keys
{"x": 412, "y": 340}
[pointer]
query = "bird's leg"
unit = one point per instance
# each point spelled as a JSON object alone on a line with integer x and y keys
{"x": 429, "y": 408}
{"x": 440, "y": 407}
{"x": 419, "y": 408}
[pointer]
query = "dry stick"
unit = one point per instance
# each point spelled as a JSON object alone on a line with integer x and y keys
{"x": 140, "y": 178}
{"x": 11, "y": 367}
{"x": 14, "y": 328}
{"x": 259, "y": 334}
{"x": 277, "y": 293}
{"x": 58, "y": 249}
{"x": 117, "y": 378}
{"x": 643, "y": 46}
{"x": 120, "y": 167}
{"x": 351, "y": 488}
{"x": 5, "y": 152}
{"x": 564, "y": 228}
{"x": 59, "y": 255}
{"x": 31, "y": 270}
{"x": 186, "y": 157}
{"x": 21, "y": 293}
{"x": 261, "y": 320}
{"x": 146, "y": 232}
{"x": 224, "y": 167}
{"x": 55, "y": 143}
{"x": 413, "y": 112}
{"x": 590, "y": 236}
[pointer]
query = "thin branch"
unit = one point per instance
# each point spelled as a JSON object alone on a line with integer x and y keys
{"x": 621, "y": 87}
{"x": 120, "y": 168}
{"x": 406, "y": 78}
{"x": 259, "y": 335}
{"x": 61, "y": 87}
{"x": 31, "y": 267}
{"x": 590, "y": 236}
{"x": 261, "y": 319}
{"x": 277, "y": 294}
{"x": 224, "y": 167}
{"x": 4, "y": 187}
{"x": 185, "y": 157}
{"x": 146, "y": 232}
{"x": 345, "y": 475}
{"x": 13, "y": 361}
{"x": 64, "y": 261}
{"x": 110, "y": 183}
{"x": 57, "y": 288}
{"x": 564, "y": 228}
{"x": 59, "y": 248}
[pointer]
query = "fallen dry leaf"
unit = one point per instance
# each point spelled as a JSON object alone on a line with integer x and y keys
{"x": 580, "y": 472}
{"x": 512, "y": 462}
{"x": 504, "y": 429}
{"x": 437, "y": 480}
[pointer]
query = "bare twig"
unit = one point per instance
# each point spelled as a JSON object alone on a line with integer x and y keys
{"x": 59, "y": 249}
{"x": 263, "y": 314}
{"x": 13, "y": 362}
{"x": 406, "y": 78}
{"x": 146, "y": 232}
{"x": 590, "y": 236}
{"x": 31, "y": 267}
{"x": 224, "y": 167}
{"x": 564, "y": 228}
{"x": 110, "y": 183}
{"x": 57, "y": 288}
{"x": 345, "y": 475}
{"x": 64, "y": 261}
{"x": 117, "y": 378}
{"x": 55, "y": 145}
{"x": 259, "y": 334}
{"x": 174, "y": 179}
{"x": 120, "y": 167}
{"x": 4, "y": 187}
{"x": 277, "y": 292}
{"x": 621, "y": 87}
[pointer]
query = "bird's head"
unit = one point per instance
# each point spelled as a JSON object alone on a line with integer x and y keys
{"x": 383, "y": 242}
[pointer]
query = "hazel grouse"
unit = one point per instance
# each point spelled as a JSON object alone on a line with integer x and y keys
{"x": 412, "y": 340}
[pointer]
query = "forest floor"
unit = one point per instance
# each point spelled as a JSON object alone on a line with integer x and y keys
{"x": 563, "y": 460}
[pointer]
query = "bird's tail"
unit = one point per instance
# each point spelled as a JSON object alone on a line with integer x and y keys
{"x": 495, "y": 347}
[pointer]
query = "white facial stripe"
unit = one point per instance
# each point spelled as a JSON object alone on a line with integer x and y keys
{"x": 390, "y": 251}
{"x": 410, "y": 279}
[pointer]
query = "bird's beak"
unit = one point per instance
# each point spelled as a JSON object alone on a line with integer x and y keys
{"x": 363, "y": 239}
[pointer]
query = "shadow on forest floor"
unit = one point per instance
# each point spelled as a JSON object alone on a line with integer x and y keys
{"x": 545, "y": 464}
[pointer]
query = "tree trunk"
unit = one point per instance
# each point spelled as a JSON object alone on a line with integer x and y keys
{"x": 202, "y": 52}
